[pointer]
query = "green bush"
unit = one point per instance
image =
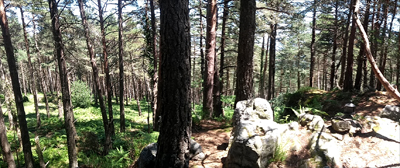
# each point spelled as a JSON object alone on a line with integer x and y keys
{"x": 25, "y": 99}
{"x": 80, "y": 94}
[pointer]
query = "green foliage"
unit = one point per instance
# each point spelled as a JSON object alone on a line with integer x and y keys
{"x": 25, "y": 99}
{"x": 80, "y": 94}
{"x": 279, "y": 155}
{"x": 228, "y": 100}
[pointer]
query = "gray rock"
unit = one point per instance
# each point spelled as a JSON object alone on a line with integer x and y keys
{"x": 252, "y": 109}
{"x": 254, "y": 136}
{"x": 148, "y": 155}
{"x": 253, "y": 144}
{"x": 391, "y": 112}
{"x": 341, "y": 125}
{"x": 312, "y": 122}
{"x": 327, "y": 147}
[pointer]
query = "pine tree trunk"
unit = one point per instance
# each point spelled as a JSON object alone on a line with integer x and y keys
{"x": 107, "y": 72}
{"x": 16, "y": 87}
{"x": 392, "y": 91}
{"x": 66, "y": 97}
{"x": 5, "y": 146}
{"x": 261, "y": 84}
{"x": 335, "y": 35}
{"x": 107, "y": 144}
{"x": 382, "y": 58}
{"x": 31, "y": 71}
{"x": 265, "y": 67}
{"x": 271, "y": 78}
{"x": 345, "y": 46}
{"x": 375, "y": 27}
{"x": 210, "y": 58}
{"x": 348, "y": 80}
{"x": 121, "y": 67}
{"x": 244, "y": 73}
{"x": 361, "y": 56}
{"x": 175, "y": 132}
{"x": 312, "y": 59}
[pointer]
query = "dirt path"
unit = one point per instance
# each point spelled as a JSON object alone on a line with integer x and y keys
{"x": 213, "y": 138}
{"x": 361, "y": 150}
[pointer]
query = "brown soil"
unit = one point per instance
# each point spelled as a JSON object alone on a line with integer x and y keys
{"x": 364, "y": 149}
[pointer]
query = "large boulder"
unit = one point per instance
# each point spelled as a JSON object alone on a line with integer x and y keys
{"x": 252, "y": 109}
{"x": 147, "y": 157}
{"x": 391, "y": 112}
{"x": 327, "y": 147}
{"x": 255, "y": 136}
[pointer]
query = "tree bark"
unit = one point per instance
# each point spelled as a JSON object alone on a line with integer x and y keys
{"x": 31, "y": 71}
{"x": 265, "y": 67}
{"x": 66, "y": 96}
{"x": 382, "y": 59}
{"x": 121, "y": 66}
{"x": 107, "y": 144}
{"x": 345, "y": 47}
{"x": 335, "y": 35}
{"x": 389, "y": 88}
{"x": 155, "y": 63}
{"x": 26, "y": 144}
{"x": 107, "y": 72}
{"x": 261, "y": 84}
{"x": 361, "y": 56}
{"x": 271, "y": 77}
{"x": 348, "y": 80}
{"x": 244, "y": 73}
{"x": 210, "y": 58}
{"x": 312, "y": 58}
{"x": 174, "y": 90}
{"x": 375, "y": 27}
{"x": 5, "y": 146}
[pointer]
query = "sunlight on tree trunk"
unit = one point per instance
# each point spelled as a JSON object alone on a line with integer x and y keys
{"x": 389, "y": 88}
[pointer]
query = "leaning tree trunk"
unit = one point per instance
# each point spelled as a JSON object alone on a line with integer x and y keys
{"x": 95, "y": 76}
{"x": 26, "y": 144}
{"x": 174, "y": 90}
{"x": 31, "y": 71}
{"x": 392, "y": 91}
{"x": 66, "y": 94}
{"x": 244, "y": 73}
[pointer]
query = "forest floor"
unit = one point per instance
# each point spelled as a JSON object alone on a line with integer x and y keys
{"x": 360, "y": 150}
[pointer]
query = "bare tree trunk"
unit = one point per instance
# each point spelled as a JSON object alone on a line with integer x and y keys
{"x": 107, "y": 144}
{"x": 312, "y": 60}
{"x": 39, "y": 152}
{"x": 361, "y": 56}
{"x": 382, "y": 58}
{"x": 26, "y": 144}
{"x": 31, "y": 71}
{"x": 173, "y": 142}
{"x": 121, "y": 67}
{"x": 261, "y": 84}
{"x": 5, "y": 146}
{"x": 389, "y": 88}
{"x": 335, "y": 35}
{"x": 271, "y": 78}
{"x": 107, "y": 72}
{"x": 66, "y": 96}
{"x": 375, "y": 27}
{"x": 345, "y": 46}
{"x": 41, "y": 71}
{"x": 210, "y": 61}
{"x": 244, "y": 74}
{"x": 348, "y": 80}
{"x": 265, "y": 66}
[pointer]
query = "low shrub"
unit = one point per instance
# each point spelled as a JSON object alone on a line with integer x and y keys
{"x": 80, "y": 94}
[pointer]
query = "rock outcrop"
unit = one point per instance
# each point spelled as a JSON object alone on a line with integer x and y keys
{"x": 148, "y": 155}
{"x": 391, "y": 112}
